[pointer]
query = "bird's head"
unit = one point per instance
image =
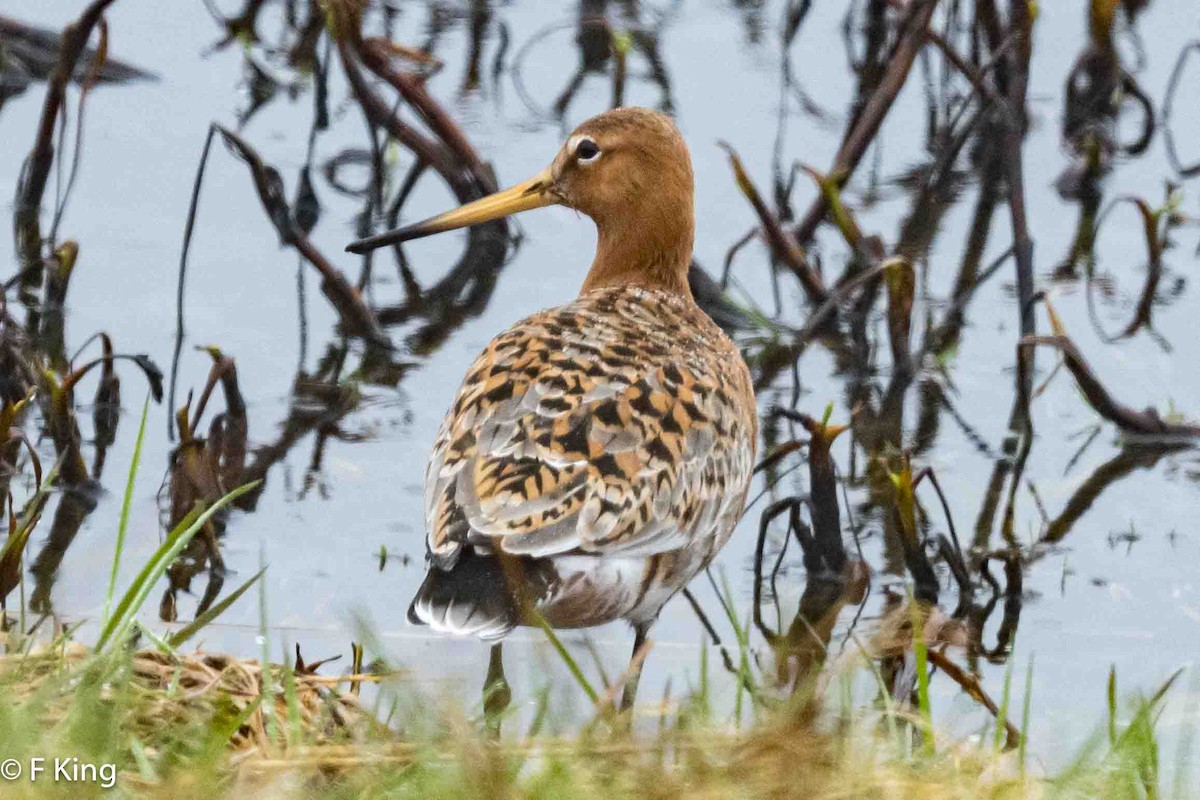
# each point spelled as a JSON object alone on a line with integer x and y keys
{"x": 628, "y": 169}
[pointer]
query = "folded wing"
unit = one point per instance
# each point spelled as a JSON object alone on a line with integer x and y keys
{"x": 571, "y": 436}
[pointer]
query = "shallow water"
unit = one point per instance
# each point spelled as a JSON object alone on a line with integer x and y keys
{"x": 1122, "y": 587}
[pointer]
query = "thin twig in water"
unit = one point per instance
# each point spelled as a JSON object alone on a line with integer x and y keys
{"x": 188, "y": 228}
{"x": 867, "y": 124}
{"x": 971, "y": 685}
{"x": 36, "y": 169}
{"x": 1144, "y": 423}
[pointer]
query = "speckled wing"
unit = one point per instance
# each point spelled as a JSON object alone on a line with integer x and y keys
{"x": 621, "y": 424}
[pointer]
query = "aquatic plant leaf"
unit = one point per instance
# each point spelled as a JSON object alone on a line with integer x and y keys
{"x": 126, "y": 506}
{"x": 901, "y": 289}
{"x": 830, "y": 186}
{"x": 153, "y": 374}
{"x": 782, "y": 243}
{"x": 19, "y": 533}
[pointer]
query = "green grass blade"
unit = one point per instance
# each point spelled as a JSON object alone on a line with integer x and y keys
{"x": 140, "y": 759}
{"x": 135, "y": 596}
{"x": 572, "y": 665}
{"x": 126, "y": 505}
{"x": 922, "y": 655}
{"x": 889, "y": 708}
{"x": 15, "y": 544}
{"x": 225, "y": 726}
{"x": 540, "y": 714}
{"x": 1147, "y": 712}
{"x": 1026, "y": 712}
{"x": 295, "y": 726}
{"x": 123, "y": 605}
{"x": 742, "y": 634}
{"x": 160, "y": 644}
{"x": 1111, "y": 698}
{"x": 1002, "y": 716}
{"x": 268, "y": 684}
{"x": 1187, "y": 737}
{"x": 195, "y": 626}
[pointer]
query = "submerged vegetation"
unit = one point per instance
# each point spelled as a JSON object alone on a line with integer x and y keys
{"x": 854, "y": 512}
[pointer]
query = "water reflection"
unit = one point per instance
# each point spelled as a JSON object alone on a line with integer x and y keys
{"x": 606, "y": 33}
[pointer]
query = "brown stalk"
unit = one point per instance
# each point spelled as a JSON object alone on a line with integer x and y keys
{"x": 19, "y": 437}
{"x": 64, "y": 431}
{"x": 445, "y": 156}
{"x": 904, "y": 514}
{"x": 358, "y": 318}
{"x": 830, "y": 188}
{"x": 975, "y": 76}
{"x": 1014, "y": 136}
{"x": 971, "y": 685}
{"x": 868, "y": 123}
{"x": 225, "y": 449}
{"x": 1154, "y": 268}
{"x": 901, "y": 288}
{"x": 802, "y": 650}
{"x": 376, "y": 55}
{"x": 620, "y": 51}
{"x": 32, "y": 186}
{"x": 99, "y": 58}
{"x": 823, "y": 503}
{"x": 783, "y": 245}
{"x": 779, "y": 359}
{"x": 943, "y": 336}
{"x": 377, "y": 111}
{"x": 1143, "y": 423}
{"x": 988, "y": 21}
{"x": 106, "y": 407}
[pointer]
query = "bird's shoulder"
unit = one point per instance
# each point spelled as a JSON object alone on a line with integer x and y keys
{"x": 612, "y": 335}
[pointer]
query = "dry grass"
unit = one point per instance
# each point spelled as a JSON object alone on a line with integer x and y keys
{"x": 205, "y": 725}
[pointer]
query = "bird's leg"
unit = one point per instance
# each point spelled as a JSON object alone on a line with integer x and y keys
{"x": 496, "y": 693}
{"x": 640, "y": 630}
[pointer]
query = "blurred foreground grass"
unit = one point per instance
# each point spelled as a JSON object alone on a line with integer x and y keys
{"x": 199, "y": 725}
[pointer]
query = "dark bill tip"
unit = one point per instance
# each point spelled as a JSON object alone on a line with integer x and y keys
{"x": 405, "y": 234}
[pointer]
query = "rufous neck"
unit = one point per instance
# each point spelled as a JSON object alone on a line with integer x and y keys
{"x": 650, "y": 248}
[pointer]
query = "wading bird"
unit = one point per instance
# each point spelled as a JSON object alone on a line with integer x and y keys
{"x": 598, "y": 454}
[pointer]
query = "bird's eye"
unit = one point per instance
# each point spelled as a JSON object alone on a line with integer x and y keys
{"x": 587, "y": 151}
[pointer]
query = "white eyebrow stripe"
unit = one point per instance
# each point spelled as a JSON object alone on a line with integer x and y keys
{"x": 573, "y": 145}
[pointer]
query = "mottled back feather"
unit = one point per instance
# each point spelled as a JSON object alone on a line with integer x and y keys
{"x": 621, "y": 424}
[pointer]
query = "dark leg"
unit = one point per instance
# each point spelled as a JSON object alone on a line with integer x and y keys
{"x": 496, "y": 693}
{"x": 635, "y": 666}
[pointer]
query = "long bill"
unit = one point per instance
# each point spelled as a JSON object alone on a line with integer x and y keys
{"x": 533, "y": 193}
